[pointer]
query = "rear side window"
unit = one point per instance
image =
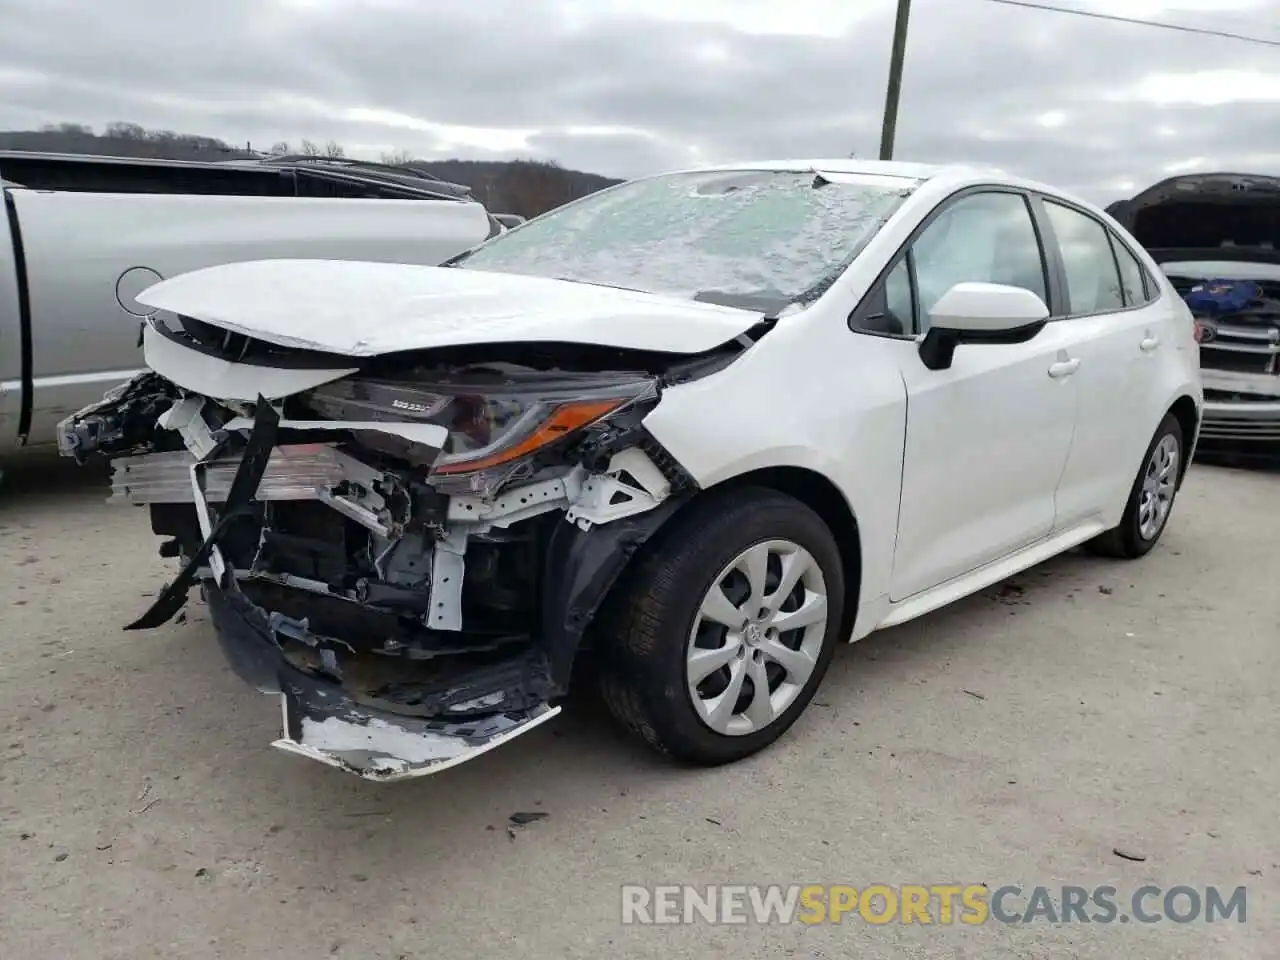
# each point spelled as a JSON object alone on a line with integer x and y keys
{"x": 1093, "y": 279}
{"x": 1131, "y": 275}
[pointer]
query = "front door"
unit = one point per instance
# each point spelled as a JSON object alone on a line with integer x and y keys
{"x": 987, "y": 439}
{"x": 986, "y": 444}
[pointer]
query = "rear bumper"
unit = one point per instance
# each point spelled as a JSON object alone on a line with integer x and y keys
{"x": 1241, "y": 422}
{"x": 322, "y": 722}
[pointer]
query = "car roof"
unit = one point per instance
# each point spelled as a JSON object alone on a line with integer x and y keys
{"x": 412, "y": 177}
{"x": 942, "y": 177}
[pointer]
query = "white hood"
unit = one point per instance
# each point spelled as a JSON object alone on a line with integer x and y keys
{"x": 362, "y": 309}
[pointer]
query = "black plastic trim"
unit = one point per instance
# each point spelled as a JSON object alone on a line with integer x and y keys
{"x": 937, "y": 349}
{"x": 24, "y": 319}
{"x": 239, "y": 505}
{"x": 1055, "y": 269}
{"x": 287, "y": 358}
{"x": 250, "y": 646}
{"x": 588, "y": 563}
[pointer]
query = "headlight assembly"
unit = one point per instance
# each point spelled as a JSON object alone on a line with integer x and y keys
{"x": 492, "y": 424}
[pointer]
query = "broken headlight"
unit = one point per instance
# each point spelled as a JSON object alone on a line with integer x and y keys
{"x": 494, "y": 423}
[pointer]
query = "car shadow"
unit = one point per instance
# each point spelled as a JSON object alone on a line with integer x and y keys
{"x": 1236, "y": 460}
{"x": 579, "y": 769}
{"x": 36, "y": 475}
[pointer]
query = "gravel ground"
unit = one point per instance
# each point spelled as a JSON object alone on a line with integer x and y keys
{"x": 1019, "y": 737}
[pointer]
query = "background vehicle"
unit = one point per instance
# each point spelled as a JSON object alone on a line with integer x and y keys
{"x": 85, "y": 234}
{"x": 803, "y": 402}
{"x": 1216, "y": 236}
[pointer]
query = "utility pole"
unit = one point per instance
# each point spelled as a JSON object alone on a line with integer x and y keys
{"x": 890, "y": 127}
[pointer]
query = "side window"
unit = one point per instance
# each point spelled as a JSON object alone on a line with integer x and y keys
{"x": 1093, "y": 279}
{"x": 1131, "y": 274}
{"x": 890, "y": 308}
{"x": 898, "y": 302}
{"x": 983, "y": 237}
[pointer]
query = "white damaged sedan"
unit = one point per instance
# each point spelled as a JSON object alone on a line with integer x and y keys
{"x": 706, "y": 425}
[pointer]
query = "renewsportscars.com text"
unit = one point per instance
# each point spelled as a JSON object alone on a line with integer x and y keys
{"x": 941, "y": 904}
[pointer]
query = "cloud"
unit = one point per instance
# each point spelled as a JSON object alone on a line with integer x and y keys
{"x": 625, "y": 87}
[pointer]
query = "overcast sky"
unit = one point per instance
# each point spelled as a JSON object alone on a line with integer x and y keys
{"x": 625, "y": 87}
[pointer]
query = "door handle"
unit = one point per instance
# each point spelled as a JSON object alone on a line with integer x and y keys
{"x": 1064, "y": 368}
{"x": 1149, "y": 343}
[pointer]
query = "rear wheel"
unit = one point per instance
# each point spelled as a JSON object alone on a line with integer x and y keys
{"x": 718, "y": 641}
{"x": 1150, "y": 503}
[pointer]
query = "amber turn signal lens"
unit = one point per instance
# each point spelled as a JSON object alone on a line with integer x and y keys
{"x": 563, "y": 420}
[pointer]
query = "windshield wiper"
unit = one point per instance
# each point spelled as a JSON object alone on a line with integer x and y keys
{"x": 601, "y": 283}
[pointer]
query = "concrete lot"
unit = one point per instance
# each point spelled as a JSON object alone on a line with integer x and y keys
{"x": 1017, "y": 738}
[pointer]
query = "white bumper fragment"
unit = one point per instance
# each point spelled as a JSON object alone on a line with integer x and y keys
{"x": 375, "y": 749}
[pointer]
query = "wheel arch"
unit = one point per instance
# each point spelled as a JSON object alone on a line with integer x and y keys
{"x": 591, "y": 565}
{"x": 823, "y": 497}
{"x": 1187, "y": 414}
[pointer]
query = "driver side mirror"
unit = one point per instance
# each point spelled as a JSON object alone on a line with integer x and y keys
{"x": 990, "y": 313}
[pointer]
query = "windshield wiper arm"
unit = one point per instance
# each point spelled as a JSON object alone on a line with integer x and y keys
{"x": 601, "y": 283}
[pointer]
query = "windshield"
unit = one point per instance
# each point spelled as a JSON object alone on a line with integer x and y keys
{"x": 755, "y": 239}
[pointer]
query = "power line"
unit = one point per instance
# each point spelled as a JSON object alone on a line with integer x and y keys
{"x": 1180, "y": 28}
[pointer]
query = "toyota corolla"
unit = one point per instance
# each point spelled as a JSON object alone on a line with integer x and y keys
{"x": 706, "y": 424}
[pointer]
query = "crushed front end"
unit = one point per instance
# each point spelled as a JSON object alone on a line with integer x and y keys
{"x": 407, "y": 550}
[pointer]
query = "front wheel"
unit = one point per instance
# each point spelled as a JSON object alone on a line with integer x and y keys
{"x": 1150, "y": 502}
{"x": 723, "y": 632}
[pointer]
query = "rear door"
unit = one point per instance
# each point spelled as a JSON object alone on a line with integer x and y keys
{"x": 1117, "y": 325}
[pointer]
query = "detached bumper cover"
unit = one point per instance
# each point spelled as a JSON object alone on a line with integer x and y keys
{"x": 321, "y": 722}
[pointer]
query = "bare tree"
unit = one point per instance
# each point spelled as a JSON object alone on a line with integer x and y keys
{"x": 331, "y": 149}
{"x": 279, "y": 149}
{"x": 397, "y": 158}
{"x": 126, "y": 131}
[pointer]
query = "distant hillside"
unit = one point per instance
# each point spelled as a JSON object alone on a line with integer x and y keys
{"x": 524, "y": 187}
{"x": 120, "y": 140}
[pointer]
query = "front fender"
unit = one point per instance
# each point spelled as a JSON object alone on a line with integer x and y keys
{"x": 832, "y": 403}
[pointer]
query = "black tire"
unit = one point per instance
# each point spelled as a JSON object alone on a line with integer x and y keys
{"x": 644, "y": 631}
{"x": 1126, "y": 541}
